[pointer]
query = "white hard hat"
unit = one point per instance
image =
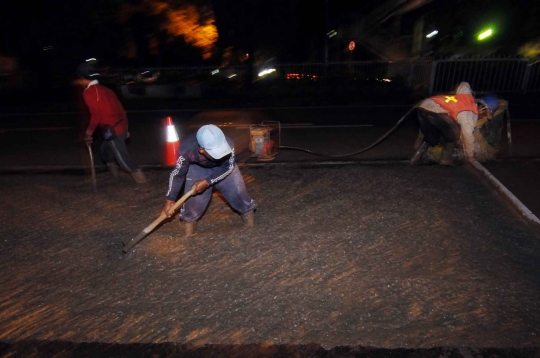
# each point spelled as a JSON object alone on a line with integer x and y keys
{"x": 464, "y": 88}
{"x": 212, "y": 139}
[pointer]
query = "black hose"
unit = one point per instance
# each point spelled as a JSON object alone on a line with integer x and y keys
{"x": 377, "y": 142}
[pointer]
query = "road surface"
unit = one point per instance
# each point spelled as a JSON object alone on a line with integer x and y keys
{"x": 31, "y": 140}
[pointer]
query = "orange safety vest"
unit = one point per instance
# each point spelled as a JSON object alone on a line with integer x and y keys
{"x": 456, "y": 103}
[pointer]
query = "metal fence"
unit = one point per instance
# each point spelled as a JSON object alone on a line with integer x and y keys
{"x": 498, "y": 75}
{"x": 120, "y": 76}
{"x": 485, "y": 75}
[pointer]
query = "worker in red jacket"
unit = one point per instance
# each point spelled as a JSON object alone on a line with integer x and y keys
{"x": 445, "y": 119}
{"x": 108, "y": 114}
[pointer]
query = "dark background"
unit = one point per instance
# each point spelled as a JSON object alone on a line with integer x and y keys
{"x": 49, "y": 39}
{"x": 291, "y": 30}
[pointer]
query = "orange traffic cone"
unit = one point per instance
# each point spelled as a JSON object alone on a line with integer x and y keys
{"x": 172, "y": 145}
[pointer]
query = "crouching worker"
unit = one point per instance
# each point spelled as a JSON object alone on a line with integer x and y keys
{"x": 207, "y": 160}
{"x": 108, "y": 114}
{"x": 444, "y": 119}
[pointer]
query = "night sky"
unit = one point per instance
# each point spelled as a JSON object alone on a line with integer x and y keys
{"x": 87, "y": 28}
{"x": 291, "y": 30}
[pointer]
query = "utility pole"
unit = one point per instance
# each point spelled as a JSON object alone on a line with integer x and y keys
{"x": 250, "y": 47}
{"x": 326, "y": 37}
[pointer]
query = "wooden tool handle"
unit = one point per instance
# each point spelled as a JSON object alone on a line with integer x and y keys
{"x": 147, "y": 230}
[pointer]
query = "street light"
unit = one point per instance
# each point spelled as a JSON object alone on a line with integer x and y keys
{"x": 485, "y": 34}
{"x": 431, "y": 34}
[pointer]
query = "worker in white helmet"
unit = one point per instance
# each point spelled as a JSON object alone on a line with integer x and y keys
{"x": 207, "y": 160}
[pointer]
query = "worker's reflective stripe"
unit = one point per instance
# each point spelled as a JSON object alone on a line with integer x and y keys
{"x": 174, "y": 173}
{"x": 231, "y": 168}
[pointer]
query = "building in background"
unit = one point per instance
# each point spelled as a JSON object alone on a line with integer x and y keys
{"x": 411, "y": 29}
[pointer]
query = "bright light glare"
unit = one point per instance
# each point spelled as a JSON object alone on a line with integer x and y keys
{"x": 215, "y": 72}
{"x": 431, "y": 34}
{"x": 266, "y": 72}
{"x": 90, "y": 59}
{"x": 145, "y": 72}
{"x": 485, "y": 34}
{"x": 387, "y": 80}
{"x": 231, "y": 76}
{"x": 172, "y": 135}
{"x": 94, "y": 74}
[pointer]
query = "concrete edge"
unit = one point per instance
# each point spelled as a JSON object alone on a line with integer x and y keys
{"x": 254, "y": 108}
{"x": 505, "y": 192}
{"x": 323, "y": 163}
{"x": 43, "y": 169}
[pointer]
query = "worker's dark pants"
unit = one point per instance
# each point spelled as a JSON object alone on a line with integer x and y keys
{"x": 438, "y": 127}
{"x": 115, "y": 149}
{"x": 232, "y": 188}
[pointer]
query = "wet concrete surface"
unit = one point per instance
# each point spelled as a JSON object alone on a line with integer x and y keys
{"x": 330, "y": 130}
{"x": 345, "y": 256}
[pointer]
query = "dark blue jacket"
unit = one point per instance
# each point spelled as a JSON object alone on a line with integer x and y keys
{"x": 189, "y": 154}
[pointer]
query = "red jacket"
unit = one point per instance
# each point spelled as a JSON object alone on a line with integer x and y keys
{"x": 105, "y": 109}
{"x": 454, "y": 104}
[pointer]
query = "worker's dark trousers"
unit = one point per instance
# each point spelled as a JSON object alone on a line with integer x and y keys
{"x": 438, "y": 127}
{"x": 232, "y": 188}
{"x": 116, "y": 150}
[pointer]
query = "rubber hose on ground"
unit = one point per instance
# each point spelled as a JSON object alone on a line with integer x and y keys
{"x": 377, "y": 142}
